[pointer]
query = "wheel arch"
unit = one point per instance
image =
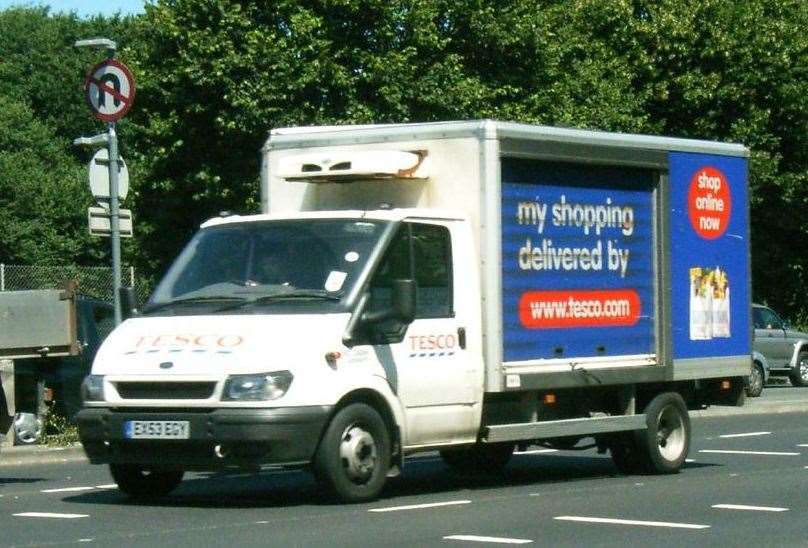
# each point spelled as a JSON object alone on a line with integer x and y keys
{"x": 799, "y": 347}
{"x": 381, "y": 403}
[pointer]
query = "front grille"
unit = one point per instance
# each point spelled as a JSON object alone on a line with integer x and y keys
{"x": 165, "y": 390}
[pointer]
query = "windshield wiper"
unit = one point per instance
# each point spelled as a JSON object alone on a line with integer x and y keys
{"x": 287, "y": 295}
{"x": 186, "y": 300}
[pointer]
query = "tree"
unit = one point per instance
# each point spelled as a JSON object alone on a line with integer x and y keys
{"x": 43, "y": 194}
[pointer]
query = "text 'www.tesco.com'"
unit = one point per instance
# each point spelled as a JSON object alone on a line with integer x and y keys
{"x": 560, "y": 309}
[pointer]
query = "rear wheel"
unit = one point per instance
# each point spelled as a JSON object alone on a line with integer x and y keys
{"x": 139, "y": 482}
{"x": 482, "y": 457}
{"x": 626, "y": 453}
{"x": 354, "y": 455}
{"x": 666, "y": 441}
{"x": 756, "y": 377}
{"x": 799, "y": 377}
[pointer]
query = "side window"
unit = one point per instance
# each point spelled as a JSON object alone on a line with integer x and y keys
{"x": 395, "y": 265}
{"x": 423, "y": 253}
{"x": 432, "y": 254}
{"x": 769, "y": 320}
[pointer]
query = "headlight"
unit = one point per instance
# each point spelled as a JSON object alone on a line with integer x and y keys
{"x": 257, "y": 387}
{"x": 92, "y": 388}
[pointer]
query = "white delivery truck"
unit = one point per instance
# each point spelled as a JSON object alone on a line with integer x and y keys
{"x": 465, "y": 287}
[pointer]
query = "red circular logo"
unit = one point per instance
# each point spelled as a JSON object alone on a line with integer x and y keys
{"x": 709, "y": 202}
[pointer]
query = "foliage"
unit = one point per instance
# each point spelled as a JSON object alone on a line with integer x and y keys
{"x": 59, "y": 431}
{"x": 214, "y": 76}
{"x": 43, "y": 196}
{"x": 43, "y": 182}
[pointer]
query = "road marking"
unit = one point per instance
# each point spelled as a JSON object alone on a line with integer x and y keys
{"x": 50, "y": 515}
{"x": 690, "y": 460}
{"x": 67, "y": 490}
{"x": 730, "y": 452}
{"x": 633, "y": 522}
{"x": 748, "y": 434}
{"x": 500, "y": 540}
{"x": 744, "y": 507}
{"x": 107, "y": 486}
{"x": 802, "y": 445}
{"x": 419, "y": 506}
{"x": 535, "y": 452}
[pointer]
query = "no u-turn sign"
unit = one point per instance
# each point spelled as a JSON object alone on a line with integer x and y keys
{"x": 110, "y": 90}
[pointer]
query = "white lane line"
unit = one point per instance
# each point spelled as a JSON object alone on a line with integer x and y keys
{"x": 107, "y": 486}
{"x": 67, "y": 490}
{"x": 419, "y": 506}
{"x": 633, "y": 522}
{"x": 731, "y": 452}
{"x": 754, "y": 508}
{"x": 690, "y": 460}
{"x": 535, "y": 451}
{"x": 802, "y": 445}
{"x": 748, "y": 434}
{"x": 50, "y": 515}
{"x": 499, "y": 540}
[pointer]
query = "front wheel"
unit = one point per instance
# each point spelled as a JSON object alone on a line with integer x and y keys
{"x": 354, "y": 455}
{"x": 756, "y": 382}
{"x": 799, "y": 377}
{"x": 139, "y": 482}
{"x": 666, "y": 441}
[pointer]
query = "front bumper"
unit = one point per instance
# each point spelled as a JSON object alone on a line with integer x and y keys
{"x": 219, "y": 438}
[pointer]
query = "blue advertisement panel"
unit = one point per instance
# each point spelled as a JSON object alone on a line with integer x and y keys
{"x": 577, "y": 260}
{"x": 709, "y": 255}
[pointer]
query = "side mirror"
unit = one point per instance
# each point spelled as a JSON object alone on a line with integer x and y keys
{"x": 404, "y": 300}
{"x": 128, "y": 302}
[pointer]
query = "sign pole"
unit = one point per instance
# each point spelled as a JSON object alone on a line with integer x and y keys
{"x": 110, "y": 92}
{"x": 114, "y": 218}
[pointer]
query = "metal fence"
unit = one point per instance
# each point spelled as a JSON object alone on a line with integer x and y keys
{"x": 94, "y": 281}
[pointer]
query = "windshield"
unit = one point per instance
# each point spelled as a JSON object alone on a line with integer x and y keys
{"x": 266, "y": 262}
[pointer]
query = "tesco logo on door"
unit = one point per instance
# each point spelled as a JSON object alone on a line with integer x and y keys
{"x": 432, "y": 342}
{"x": 709, "y": 202}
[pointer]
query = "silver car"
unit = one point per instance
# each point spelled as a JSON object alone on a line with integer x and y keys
{"x": 785, "y": 349}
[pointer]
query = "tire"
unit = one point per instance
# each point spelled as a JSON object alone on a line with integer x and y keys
{"x": 354, "y": 455}
{"x": 663, "y": 446}
{"x": 626, "y": 454}
{"x": 139, "y": 482}
{"x": 755, "y": 388}
{"x": 28, "y": 428}
{"x": 486, "y": 458}
{"x": 799, "y": 377}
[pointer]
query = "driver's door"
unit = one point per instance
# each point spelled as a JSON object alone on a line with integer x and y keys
{"x": 426, "y": 361}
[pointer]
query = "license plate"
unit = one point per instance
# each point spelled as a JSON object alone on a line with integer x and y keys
{"x": 156, "y": 430}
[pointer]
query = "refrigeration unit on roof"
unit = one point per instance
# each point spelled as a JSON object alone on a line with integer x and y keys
{"x": 347, "y": 166}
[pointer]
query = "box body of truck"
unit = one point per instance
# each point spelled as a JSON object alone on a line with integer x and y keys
{"x": 460, "y": 286}
{"x": 597, "y": 252}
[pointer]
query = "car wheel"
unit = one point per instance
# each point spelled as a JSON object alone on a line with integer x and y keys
{"x": 139, "y": 482}
{"x": 663, "y": 446}
{"x": 354, "y": 455}
{"x": 755, "y": 387}
{"x": 28, "y": 428}
{"x": 799, "y": 377}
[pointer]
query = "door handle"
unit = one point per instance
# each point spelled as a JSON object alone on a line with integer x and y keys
{"x": 461, "y": 337}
